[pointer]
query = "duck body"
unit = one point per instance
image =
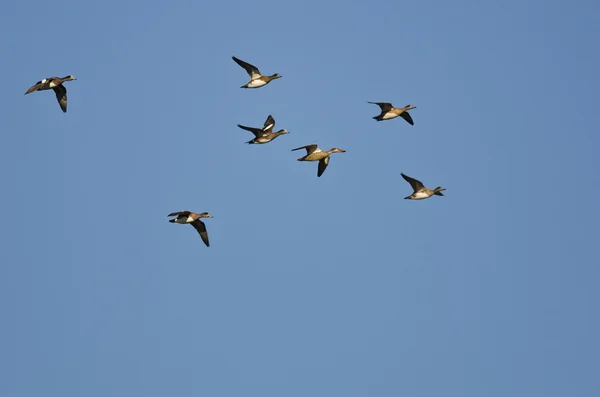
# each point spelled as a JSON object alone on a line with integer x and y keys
{"x": 257, "y": 79}
{"x": 56, "y": 84}
{"x": 192, "y": 218}
{"x": 389, "y": 112}
{"x": 265, "y": 134}
{"x": 420, "y": 192}
{"x": 313, "y": 153}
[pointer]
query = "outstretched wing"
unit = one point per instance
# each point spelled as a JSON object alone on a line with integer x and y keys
{"x": 309, "y": 148}
{"x": 385, "y": 106}
{"x": 407, "y": 117}
{"x": 252, "y": 70}
{"x": 61, "y": 96}
{"x": 34, "y": 87}
{"x": 416, "y": 185}
{"x": 256, "y": 131}
{"x": 184, "y": 213}
{"x": 201, "y": 228}
{"x": 322, "y": 166}
{"x": 269, "y": 124}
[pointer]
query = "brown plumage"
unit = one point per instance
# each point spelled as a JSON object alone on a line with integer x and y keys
{"x": 188, "y": 217}
{"x": 265, "y": 134}
{"x": 257, "y": 79}
{"x": 420, "y": 192}
{"x": 56, "y": 84}
{"x": 313, "y": 153}
{"x": 389, "y": 112}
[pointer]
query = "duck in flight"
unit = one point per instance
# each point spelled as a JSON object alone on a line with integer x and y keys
{"x": 420, "y": 191}
{"x": 257, "y": 79}
{"x": 265, "y": 134}
{"x": 313, "y": 153}
{"x": 56, "y": 84}
{"x": 389, "y": 112}
{"x": 192, "y": 218}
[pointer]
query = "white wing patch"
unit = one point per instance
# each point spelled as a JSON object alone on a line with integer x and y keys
{"x": 269, "y": 126}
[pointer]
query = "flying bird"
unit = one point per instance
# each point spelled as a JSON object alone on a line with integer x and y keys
{"x": 257, "y": 79}
{"x": 313, "y": 153}
{"x": 420, "y": 191}
{"x": 389, "y": 112}
{"x": 265, "y": 134}
{"x": 56, "y": 84}
{"x": 192, "y": 218}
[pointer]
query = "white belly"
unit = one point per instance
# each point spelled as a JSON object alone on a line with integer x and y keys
{"x": 420, "y": 196}
{"x": 256, "y": 83}
{"x": 52, "y": 84}
{"x": 389, "y": 115}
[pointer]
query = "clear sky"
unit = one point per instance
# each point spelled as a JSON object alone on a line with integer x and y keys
{"x": 331, "y": 286}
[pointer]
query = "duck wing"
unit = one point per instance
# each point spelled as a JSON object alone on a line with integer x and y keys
{"x": 201, "y": 229}
{"x": 322, "y": 166}
{"x": 416, "y": 185}
{"x": 184, "y": 213}
{"x": 256, "y": 131}
{"x": 385, "y": 106}
{"x": 252, "y": 70}
{"x": 61, "y": 96}
{"x": 269, "y": 124}
{"x": 309, "y": 148}
{"x": 407, "y": 117}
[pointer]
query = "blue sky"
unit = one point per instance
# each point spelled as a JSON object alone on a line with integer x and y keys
{"x": 312, "y": 286}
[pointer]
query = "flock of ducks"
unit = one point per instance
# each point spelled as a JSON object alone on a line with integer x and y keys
{"x": 261, "y": 136}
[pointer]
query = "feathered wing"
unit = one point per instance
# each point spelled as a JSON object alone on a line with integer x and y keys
{"x": 256, "y": 131}
{"x": 407, "y": 117}
{"x": 34, "y": 87}
{"x": 416, "y": 185}
{"x": 385, "y": 106}
{"x": 185, "y": 213}
{"x": 61, "y": 96}
{"x": 309, "y": 148}
{"x": 269, "y": 124}
{"x": 201, "y": 228}
{"x": 322, "y": 166}
{"x": 252, "y": 70}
